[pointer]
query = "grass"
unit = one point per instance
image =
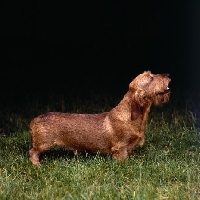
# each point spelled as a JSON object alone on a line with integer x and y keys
{"x": 167, "y": 167}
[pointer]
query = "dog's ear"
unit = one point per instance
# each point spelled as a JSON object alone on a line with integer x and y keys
{"x": 135, "y": 110}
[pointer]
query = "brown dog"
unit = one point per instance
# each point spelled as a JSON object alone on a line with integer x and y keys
{"x": 117, "y": 132}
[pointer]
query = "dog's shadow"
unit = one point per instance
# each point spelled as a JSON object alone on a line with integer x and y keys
{"x": 59, "y": 153}
{"x": 56, "y": 154}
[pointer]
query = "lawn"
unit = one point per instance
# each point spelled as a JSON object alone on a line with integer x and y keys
{"x": 166, "y": 167}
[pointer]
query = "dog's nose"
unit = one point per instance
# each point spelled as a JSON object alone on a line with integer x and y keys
{"x": 166, "y": 74}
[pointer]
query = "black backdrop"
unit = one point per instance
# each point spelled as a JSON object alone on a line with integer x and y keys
{"x": 99, "y": 46}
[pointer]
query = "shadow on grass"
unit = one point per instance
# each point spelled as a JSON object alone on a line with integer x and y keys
{"x": 57, "y": 153}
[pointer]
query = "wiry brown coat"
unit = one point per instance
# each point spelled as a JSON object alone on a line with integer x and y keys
{"x": 117, "y": 132}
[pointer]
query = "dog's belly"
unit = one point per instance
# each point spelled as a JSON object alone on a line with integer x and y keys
{"x": 84, "y": 140}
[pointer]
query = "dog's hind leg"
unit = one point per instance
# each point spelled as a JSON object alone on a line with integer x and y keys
{"x": 34, "y": 156}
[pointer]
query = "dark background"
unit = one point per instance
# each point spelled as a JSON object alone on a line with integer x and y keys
{"x": 97, "y": 45}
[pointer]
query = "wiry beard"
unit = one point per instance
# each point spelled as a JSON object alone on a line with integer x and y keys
{"x": 161, "y": 98}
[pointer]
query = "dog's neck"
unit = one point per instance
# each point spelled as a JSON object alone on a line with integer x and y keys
{"x": 122, "y": 110}
{"x": 130, "y": 111}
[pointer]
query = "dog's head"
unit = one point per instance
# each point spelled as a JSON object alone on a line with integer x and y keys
{"x": 150, "y": 88}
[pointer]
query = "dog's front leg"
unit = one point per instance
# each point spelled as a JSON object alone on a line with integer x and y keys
{"x": 141, "y": 142}
{"x": 119, "y": 151}
{"x": 133, "y": 143}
